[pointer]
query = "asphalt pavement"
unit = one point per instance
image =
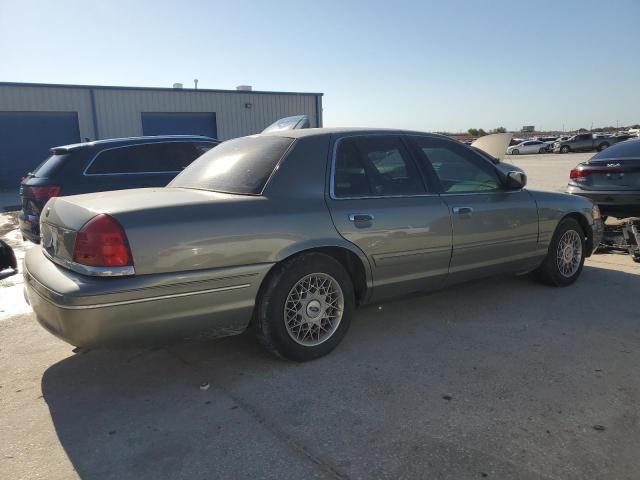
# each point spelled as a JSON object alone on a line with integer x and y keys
{"x": 503, "y": 378}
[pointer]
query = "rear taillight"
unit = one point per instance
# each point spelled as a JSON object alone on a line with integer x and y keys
{"x": 102, "y": 243}
{"x": 579, "y": 174}
{"x": 41, "y": 193}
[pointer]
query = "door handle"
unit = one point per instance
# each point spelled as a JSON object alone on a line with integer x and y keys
{"x": 360, "y": 217}
{"x": 462, "y": 210}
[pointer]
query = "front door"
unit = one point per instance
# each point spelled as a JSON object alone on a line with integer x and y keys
{"x": 494, "y": 229}
{"x": 379, "y": 201}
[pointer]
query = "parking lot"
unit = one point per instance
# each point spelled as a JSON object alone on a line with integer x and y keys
{"x": 504, "y": 379}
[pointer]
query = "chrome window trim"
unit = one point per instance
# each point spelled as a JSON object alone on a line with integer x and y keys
{"x": 91, "y": 270}
{"x": 85, "y": 174}
{"x": 397, "y": 134}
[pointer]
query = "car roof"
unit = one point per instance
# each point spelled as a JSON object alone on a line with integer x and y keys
{"x": 119, "y": 142}
{"x": 345, "y": 131}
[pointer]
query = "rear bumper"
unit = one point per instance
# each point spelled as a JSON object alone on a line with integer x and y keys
{"x": 94, "y": 312}
{"x": 29, "y": 226}
{"x": 620, "y": 204}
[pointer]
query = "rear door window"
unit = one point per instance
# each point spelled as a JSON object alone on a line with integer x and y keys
{"x": 376, "y": 165}
{"x": 167, "y": 157}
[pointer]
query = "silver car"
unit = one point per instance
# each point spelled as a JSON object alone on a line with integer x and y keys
{"x": 287, "y": 232}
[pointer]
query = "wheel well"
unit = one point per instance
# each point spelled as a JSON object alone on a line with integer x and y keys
{"x": 349, "y": 260}
{"x": 585, "y": 227}
{"x": 351, "y": 263}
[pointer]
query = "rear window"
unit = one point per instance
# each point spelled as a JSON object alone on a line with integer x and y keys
{"x": 242, "y": 165}
{"x": 49, "y": 166}
{"x": 625, "y": 149}
{"x": 150, "y": 158}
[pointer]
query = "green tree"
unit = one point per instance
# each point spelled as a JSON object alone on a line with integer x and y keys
{"x": 499, "y": 130}
{"x": 474, "y": 132}
{"x": 583, "y": 130}
{"x": 481, "y": 132}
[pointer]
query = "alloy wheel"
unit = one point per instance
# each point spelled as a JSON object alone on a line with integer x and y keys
{"x": 313, "y": 309}
{"x": 569, "y": 253}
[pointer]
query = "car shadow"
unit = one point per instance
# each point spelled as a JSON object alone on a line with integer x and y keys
{"x": 227, "y": 409}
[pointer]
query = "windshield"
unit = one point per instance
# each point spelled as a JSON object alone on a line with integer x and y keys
{"x": 242, "y": 165}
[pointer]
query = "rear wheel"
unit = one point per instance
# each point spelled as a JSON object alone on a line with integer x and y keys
{"x": 565, "y": 149}
{"x": 542, "y": 150}
{"x": 602, "y": 146}
{"x": 305, "y": 307}
{"x": 515, "y": 151}
{"x": 564, "y": 261}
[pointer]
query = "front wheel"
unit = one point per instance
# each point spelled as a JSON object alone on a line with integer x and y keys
{"x": 564, "y": 261}
{"x": 305, "y": 307}
{"x": 542, "y": 150}
{"x": 602, "y": 146}
{"x": 515, "y": 151}
{"x": 565, "y": 149}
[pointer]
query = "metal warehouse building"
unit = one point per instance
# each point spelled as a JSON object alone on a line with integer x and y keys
{"x": 36, "y": 117}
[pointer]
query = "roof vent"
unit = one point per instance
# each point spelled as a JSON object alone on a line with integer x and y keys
{"x": 177, "y": 85}
{"x": 244, "y": 88}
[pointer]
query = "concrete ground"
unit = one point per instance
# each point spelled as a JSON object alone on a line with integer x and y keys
{"x": 502, "y": 378}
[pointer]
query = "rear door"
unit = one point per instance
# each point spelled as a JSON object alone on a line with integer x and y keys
{"x": 494, "y": 229}
{"x": 139, "y": 166}
{"x": 381, "y": 202}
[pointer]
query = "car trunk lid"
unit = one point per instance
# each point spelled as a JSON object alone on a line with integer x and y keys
{"x": 621, "y": 174}
{"x": 64, "y": 217}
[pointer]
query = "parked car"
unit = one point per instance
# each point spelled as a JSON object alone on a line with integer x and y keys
{"x": 104, "y": 165}
{"x": 583, "y": 142}
{"x": 528, "y": 146}
{"x": 611, "y": 178}
{"x": 287, "y": 232}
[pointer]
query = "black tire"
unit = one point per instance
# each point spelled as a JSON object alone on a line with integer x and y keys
{"x": 542, "y": 150}
{"x": 515, "y": 151}
{"x": 270, "y": 321}
{"x": 602, "y": 146}
{"x": 565, "y": 149}
{"x": 549, "y": 272}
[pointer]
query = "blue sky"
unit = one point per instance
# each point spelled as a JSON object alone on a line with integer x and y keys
{"x": 415, "y": 64}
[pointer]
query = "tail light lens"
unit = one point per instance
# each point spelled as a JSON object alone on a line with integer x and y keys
{"x": 43, "y": 193}
{"x": 579, "y": 174}
{"x": 102, "y": 243}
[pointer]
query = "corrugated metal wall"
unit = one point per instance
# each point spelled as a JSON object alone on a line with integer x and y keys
{"x": 63, "y": 99}
{"x": 118, "y": 110}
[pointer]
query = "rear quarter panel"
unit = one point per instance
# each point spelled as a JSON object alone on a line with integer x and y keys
{"x": 553, "y": 207}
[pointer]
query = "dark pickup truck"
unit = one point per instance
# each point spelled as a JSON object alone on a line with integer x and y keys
{"x": 584, "y": 142}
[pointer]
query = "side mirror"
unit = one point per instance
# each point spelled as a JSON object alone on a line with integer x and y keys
{"x": 516, "y": 180}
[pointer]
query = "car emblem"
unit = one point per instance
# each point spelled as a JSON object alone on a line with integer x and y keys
{"x": 613, "y": 164}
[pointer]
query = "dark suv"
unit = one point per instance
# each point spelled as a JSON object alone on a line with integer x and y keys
{"x": 114, "y": 164}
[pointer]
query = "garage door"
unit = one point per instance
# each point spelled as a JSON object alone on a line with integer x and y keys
{"x": 25, "y": 140}
{"x": 183, "y": 123}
